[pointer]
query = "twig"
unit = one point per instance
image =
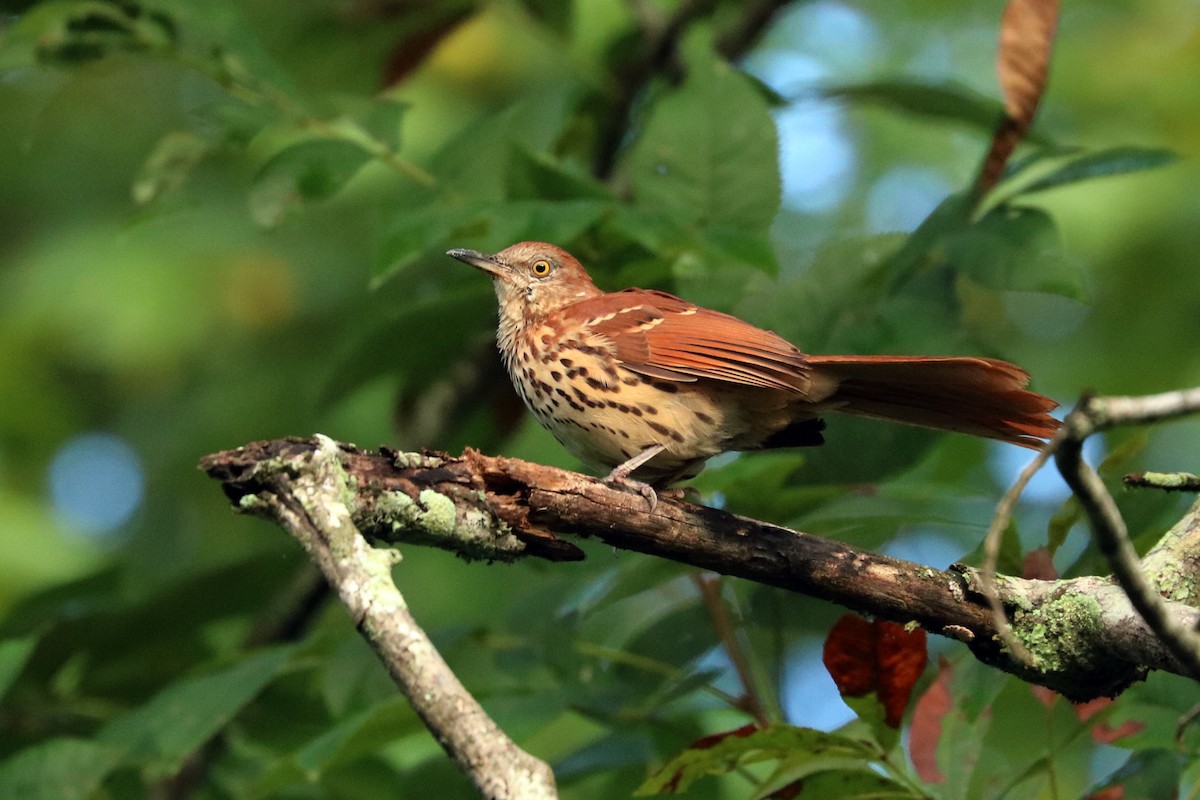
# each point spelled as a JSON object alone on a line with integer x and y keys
{"x": 710, "y": 592}
{"x": 308, "y": 498}
{"x": 1167, "y": 481}
{"x": 1112, "y": 537}
{"x": 991, "y": 551}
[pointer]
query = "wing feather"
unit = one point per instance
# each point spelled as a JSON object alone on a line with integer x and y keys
{"x": 662, "y": 336}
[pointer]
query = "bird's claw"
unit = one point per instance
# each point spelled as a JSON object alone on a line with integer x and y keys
{"x": 620, "y": 478}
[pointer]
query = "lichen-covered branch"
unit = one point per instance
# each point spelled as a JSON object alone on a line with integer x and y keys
{"x": 1085, "y": 637}
{"x": 309, "y": 492}
{"x": 1094, "y": 414}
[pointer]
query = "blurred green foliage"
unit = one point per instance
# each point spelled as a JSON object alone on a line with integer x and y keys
{"x": 224, "y": 221}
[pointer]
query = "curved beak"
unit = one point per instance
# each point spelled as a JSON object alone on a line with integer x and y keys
{"x": 481, "y": 261}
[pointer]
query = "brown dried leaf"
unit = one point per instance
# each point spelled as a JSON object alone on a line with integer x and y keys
{"x": 1023, "y": 62}
{"x": 1026, "y": 42}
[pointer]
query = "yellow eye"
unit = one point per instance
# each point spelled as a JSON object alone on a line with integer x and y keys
{"x": 541, "y": 268}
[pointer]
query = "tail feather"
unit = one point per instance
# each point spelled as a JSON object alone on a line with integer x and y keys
{"x": 978, "y": 396}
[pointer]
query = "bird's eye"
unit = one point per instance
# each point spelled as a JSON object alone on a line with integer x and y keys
{"x": 541, "y": 268}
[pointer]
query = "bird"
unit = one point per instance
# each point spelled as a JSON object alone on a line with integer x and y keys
{"x": 651, "y": 386}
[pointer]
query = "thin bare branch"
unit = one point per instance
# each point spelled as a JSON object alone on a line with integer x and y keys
{"x": 710, "y": 592}
{"x": 991, "y": 551}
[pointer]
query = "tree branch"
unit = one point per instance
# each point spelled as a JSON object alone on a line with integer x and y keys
{"x": 1087, "y": 639}
{"x": 1112, "y": 537}
{"x": 309, "y": 492}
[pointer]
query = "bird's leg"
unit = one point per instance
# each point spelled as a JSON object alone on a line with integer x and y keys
{"x": 620, "y": 474}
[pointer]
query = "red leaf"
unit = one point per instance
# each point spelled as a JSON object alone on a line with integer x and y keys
{"x": 926, "y": 730}
{"x": 712, "y": 740}
{"x": 1044, "y": 696}
{"x": 789, "y": 792}
{"x": 881, "y": 657}
{"x": 1108, "y": 793}
{"x": 1102, "y": 732}
{"x": 849, "y": 656}
{"x": 1039, "y": 566}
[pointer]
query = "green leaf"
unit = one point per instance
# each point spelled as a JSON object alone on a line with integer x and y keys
{"x": 1015, "y": 248}
{"x": 536, "y": 176}
{"x": 357, "y": 735}
{"x": 708, "y": 153}
{"x": 374, "y": 353}
{"x": 58, "y": 769}
{"x": 1102, "y": 164}
{"x": 1147, "y": 774}
{"x": 846, "y": 784}
{"x": 79, "y": 31}
{"x": 743, "y": 747}
{"x": 13, "y": 655}
{"x": 951, "y": 216}
{"x": 181, "y": 717}
{"x": 489, "y": 226}
{"x": 939, "y": 101}
{"x": 310, "y": 170}
{"x": 169, "y": 165}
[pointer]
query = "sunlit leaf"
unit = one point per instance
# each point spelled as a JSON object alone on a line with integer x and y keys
{"x": 708, "y": 153}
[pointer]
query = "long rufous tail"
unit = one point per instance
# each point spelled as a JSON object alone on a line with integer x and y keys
{"x": 980, "y": 396}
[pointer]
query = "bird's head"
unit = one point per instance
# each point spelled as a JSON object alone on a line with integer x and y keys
{"x": 532, "y": 278}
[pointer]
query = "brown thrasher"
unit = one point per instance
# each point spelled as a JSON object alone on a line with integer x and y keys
{"x": 652, "y": 386}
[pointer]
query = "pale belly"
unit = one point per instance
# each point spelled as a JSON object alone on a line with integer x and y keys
{"x": 604, "y": 418}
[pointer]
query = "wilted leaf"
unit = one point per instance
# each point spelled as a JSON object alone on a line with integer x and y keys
{"x": 877, "y": 657}
{"x": 1026, "y": 44}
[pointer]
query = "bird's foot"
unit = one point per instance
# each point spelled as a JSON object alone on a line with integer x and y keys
{"x": 620, "y": 475}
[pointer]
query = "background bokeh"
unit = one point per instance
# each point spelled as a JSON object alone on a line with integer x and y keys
{"x": 178, "y": 275}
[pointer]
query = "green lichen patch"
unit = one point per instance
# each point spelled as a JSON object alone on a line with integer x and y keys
{"x": 1062, "y": 633}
